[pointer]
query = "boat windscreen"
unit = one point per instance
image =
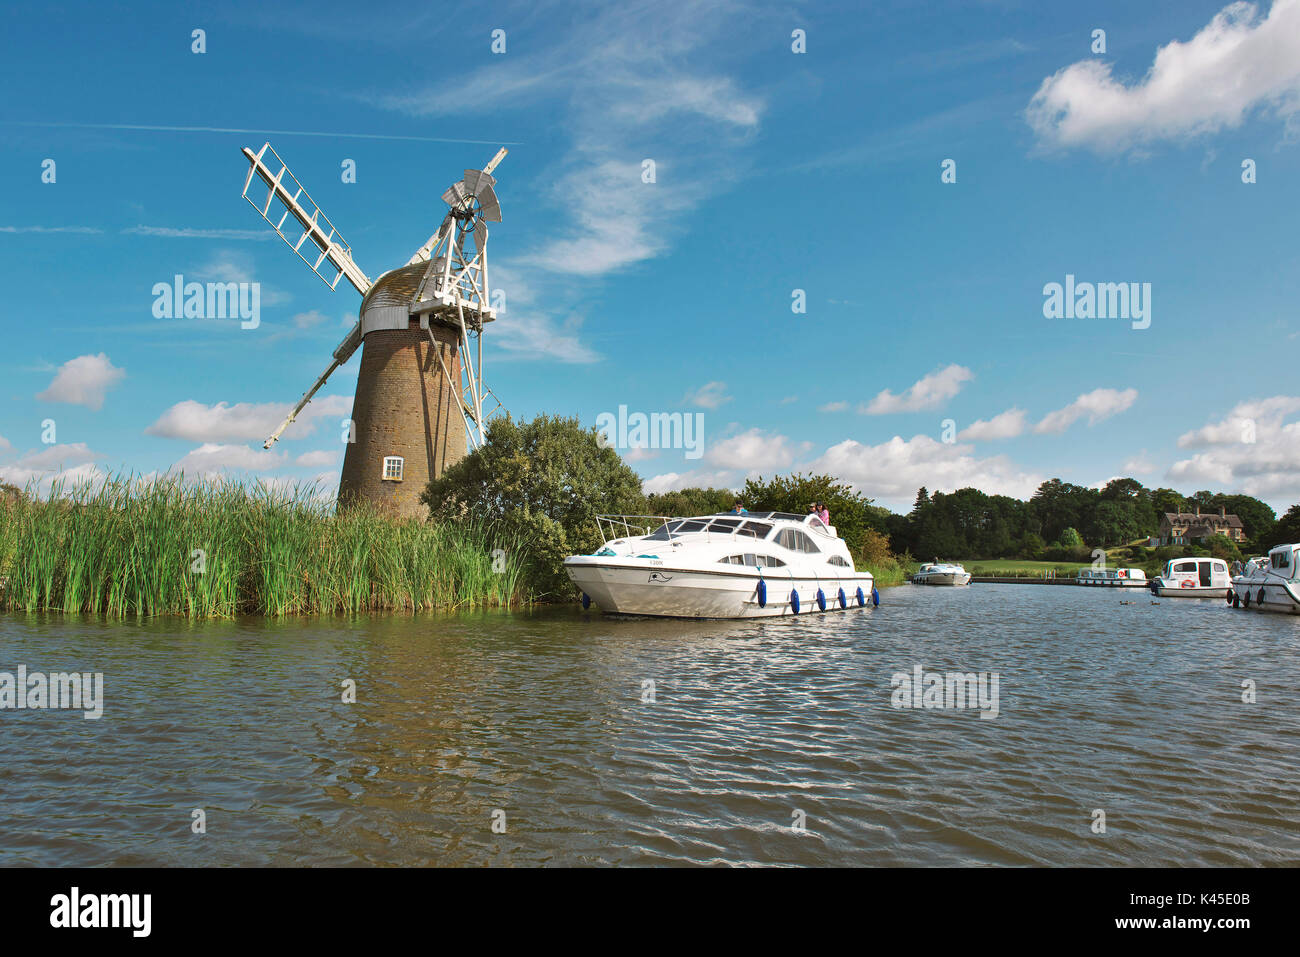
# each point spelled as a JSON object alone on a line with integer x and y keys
{"x": 663, "y": 531}
{"x": 755, "y": 529}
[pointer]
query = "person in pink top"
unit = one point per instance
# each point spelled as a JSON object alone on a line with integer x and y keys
{"x": 823, "y": 514}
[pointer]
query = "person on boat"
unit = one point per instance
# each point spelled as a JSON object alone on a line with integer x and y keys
{"x": 739, "y": 508}
{"x": 824, "y": 514}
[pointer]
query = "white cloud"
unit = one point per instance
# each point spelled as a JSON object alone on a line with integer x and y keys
{"x": 833, "y": 407}
{"x": 197, "y": 422}
{"x": 318, "y": 458}
{"x": 211, "y": 458}
{"x": 1237, "y": 63}
{"x": 536, "y": 335}
{"x": 892, "y": 471}
{"x": 1140, "y": 464}
{"x": 752, "y": 450}
{"x": 70, "y": 465}
{"x": 236, "y": 266}
{"x": 169, "y": 232}
{"x": 928, "y": 392}
{"x": 712, "y": 395}
{"x": 1244, "y": 418}
{"x": 1254, "y": 450}
{"x": 311, "y": 319}
{"x": 673, "y": 481}
{"x": 626, "y": 83}
{"x": 82, "y": 230}
{"x": 5, "y": 444}
{"x": 83, "y": 381}
{"x": 1097, "y": 405}
{"x": 1006, "y": 425}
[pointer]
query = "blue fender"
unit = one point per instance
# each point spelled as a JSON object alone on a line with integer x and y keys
{"x": 794, "y": 601}
{"x": 586, "y": 601}
{"x": 862, "y": 599}
{"x": 762, "y": 593}
{"x": 821, "y": 600}
{"x": 844, "y": 602}
{"x": 875, "y": 596}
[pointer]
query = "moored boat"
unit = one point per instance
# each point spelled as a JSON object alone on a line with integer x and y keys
{"x": 1112, "y": 577}
{"x": 1271, "y": 583}
{"x": 941, "y": 573}
{"x": 1193, "y": 578}
{"x": 720, "y": 566}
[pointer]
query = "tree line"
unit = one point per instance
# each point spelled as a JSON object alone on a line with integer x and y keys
{"x": 544, "y": 481}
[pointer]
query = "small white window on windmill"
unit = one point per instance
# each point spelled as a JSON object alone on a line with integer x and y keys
{"x": 393, "y": 468}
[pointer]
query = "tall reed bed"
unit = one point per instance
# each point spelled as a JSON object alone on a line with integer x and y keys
{"x": 217, "y": 549}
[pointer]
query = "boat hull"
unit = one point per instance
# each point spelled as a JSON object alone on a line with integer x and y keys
{"x": 944, "y": 578}
{"x": 1279, "y": 595}
{"x": 622, "y": 588}
{"x": 1174, "y": 590}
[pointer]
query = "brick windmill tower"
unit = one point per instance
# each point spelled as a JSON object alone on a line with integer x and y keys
{"x": 420, "y": 392}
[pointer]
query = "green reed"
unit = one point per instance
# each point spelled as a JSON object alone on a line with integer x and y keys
{"x": 129, "y": 547}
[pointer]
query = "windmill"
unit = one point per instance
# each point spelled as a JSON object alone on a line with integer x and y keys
{"x": 420, "y": 394}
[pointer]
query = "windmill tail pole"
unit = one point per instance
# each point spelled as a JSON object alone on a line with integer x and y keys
{"x": 306, "y": 397}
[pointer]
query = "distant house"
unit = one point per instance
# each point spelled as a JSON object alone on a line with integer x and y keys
{"x": 1184, "y": 528}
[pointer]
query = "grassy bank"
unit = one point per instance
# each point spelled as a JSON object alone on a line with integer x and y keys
{"x": 1016, "y": 568}
{"x": 129, "y": 548}
{"x": 888, "y": 571}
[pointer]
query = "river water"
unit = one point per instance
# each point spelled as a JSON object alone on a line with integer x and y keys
{"x": 533, "y": 738}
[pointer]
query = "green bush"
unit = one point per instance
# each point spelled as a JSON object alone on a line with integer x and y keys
{"x": 542, "y": 483}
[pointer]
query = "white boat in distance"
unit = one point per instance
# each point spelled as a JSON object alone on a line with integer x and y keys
{"x": 1193, "y": 578}
{"x": 1112, "y": 577}
{"x": 1270, "y": 584}
{"x": 941, "y": 573}
{"x": 720, "y": 566}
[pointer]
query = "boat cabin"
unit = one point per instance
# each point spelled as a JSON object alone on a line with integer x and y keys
{"x": 1283, "y": 561}
{"x": 1197, "y": 573}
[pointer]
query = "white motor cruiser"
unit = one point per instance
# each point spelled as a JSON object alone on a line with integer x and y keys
{"x": 941, "y": 573}
{"x": 1270, "y": 584}
{"x": 1193, "y": 578}
{"x": 720, "y": 566}
{"x": 1112, "y": 577}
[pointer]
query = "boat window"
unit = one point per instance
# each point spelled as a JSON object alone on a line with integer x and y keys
{"x": 724, "y": 525}
{"x": 1281, "y": 559}
{"x": 663, "y": 531}
{"x": 1185, "y": 567}
{"x": 755, "y": 529}
{"x": 692, "y": 526}
{"x": 796, "y": 541}
{"x": 753, "y": 560}
{"x": 836, "y": 560}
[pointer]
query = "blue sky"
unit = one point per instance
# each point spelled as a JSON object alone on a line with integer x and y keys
{"x": 775, "y": 171}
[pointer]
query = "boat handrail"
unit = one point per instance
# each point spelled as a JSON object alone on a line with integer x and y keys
{"x": 624, "y": 521}
{"x": 632, "y": 528}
